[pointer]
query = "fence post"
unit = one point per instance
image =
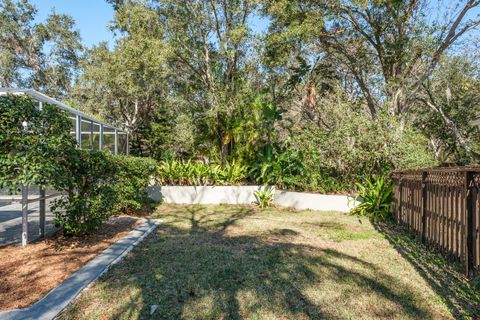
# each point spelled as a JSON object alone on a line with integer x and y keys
{"x": 24, "y": 215}
{"x": 424, "y": 206}
{"x": 42, "y": 205}
{"x": 116, "y": 142}
{"x": 101, "y": 138}
{"x": 469, "y": 263}
{"x": 400, "y": 197}
{"x": 78, "y": 131}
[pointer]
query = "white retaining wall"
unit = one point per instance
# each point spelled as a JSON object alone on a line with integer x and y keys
{"x": 244, "y": 195}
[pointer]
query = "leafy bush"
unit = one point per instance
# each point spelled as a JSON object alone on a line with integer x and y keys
{"x": 179, "y": 172}
{"x": 99, "y": 185}
{"x": 36, "y": 156}
{"x": 265, "y": 196}
{"x": 132, "y": 177}
{"x": 375, "y": 197}
{"x": 96, "y": 184}
{"x": 283, "y": 168}
{"x": 90, "y": 192}
{"x": 230, "y": 173}
{"x": 355, "y": 148}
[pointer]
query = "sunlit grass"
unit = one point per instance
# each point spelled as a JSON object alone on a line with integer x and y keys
{"x": 232, "y": 262}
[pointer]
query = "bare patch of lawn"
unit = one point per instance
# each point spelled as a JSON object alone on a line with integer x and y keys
{"x": 240, "y": 262}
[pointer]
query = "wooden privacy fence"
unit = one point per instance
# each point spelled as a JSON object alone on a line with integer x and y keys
{"x": 443, "y": 207}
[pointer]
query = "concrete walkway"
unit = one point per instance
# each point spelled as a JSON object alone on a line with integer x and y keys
{"x": 59, "y": 298}
{"x": 11, "y": 222}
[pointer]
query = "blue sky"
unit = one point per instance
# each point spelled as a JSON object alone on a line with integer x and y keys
{"x": 93, "y": 17}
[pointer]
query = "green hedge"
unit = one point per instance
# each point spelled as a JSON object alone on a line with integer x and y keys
{"x": 90, "y": 192}
{"x": 36, "y": 156}
{"x": 101, "y": 184}
{"x": 133, "y": 175}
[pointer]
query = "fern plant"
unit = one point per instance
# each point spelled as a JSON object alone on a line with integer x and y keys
{"x": 265, "y": 196}
{"x": 375, "y": 196}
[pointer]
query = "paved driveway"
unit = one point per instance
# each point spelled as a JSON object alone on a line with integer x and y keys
{"x": 11, "y": 222}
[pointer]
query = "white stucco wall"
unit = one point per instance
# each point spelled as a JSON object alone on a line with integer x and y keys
{"x": 314, "y": 201}
{"x": 204, "y": 194}
{"x": 244, "y": 195}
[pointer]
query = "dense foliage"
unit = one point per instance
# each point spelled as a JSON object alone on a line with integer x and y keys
{"x": 38, "y": 149}
{"x": 98, "y": 185}
{"x": 42, "y": 55}
{"x": 90, "y": 193}
{"x": 374, "y": 197}
{"x": 34, "y": 143}
{"x": 132, "y": 177}
{"x": 178, "y": 172}
{"x": 303, "y": 94}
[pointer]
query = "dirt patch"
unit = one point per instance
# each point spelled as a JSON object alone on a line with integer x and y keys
{"x": 27, "y": 274}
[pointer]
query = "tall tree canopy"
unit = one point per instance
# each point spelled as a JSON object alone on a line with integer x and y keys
{"x": 384, "y": 51}
{"x": 44, "y": 56}
{"x": 393, "y": 81}
{"x": 196, "y": 57}
{"x": 127, "y": 85}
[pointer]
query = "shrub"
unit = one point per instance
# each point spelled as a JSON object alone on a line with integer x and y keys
{"x": 90, "y": 192}
{"x": 132, "y": 177}
{"x": 36, "y": 156}
{"x": 179, "y": 172}
{"x": 355, "y": 148}
{"x": 375, "y": 197}
{"x": 265, "y": 196}
{"x": 231, "y": 173}
{"x": 282, "y": 167}
{"x": 99, "y": 185}
{"x": 96, "y": 184}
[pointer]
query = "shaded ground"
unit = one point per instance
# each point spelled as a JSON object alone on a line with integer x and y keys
{"x": 224, "y": 262}
{"x": 27, "y": 274}
{"x": 461, "y": 295}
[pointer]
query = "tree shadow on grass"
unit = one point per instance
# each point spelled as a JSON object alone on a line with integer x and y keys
{"x": 201, "y": 272}
{"x": 460, "y": 295}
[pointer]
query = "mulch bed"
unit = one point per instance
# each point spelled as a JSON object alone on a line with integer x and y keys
{"x": 27, "y": 274}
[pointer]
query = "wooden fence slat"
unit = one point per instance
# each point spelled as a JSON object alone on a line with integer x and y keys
{"x": 442, "y": 206}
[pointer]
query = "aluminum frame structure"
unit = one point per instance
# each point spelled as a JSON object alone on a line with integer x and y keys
{"x": 88, "y": 132}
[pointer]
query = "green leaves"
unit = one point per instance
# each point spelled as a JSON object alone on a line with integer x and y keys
{"x": 96, "y": 184}
{"x": 282, "y": 167}
{"x": 89, "y": 184}
{"x": 42, "y": 55}
{"x": 37, "y": 155}
{"x": 132, "y": 177}
{"x": 99, "y": 184}
{"x": 179, "y": 172}
{"x": 375, "y": 196}
{"x": 265, "y": 196}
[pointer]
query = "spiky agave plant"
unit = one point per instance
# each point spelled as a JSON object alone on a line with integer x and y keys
{"x": 375, "y": 196}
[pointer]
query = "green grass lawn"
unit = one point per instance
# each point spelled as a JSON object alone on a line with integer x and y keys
{"x": 236, "y": 262}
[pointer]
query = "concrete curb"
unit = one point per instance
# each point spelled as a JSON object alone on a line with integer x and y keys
{"x": 60, "y": 297}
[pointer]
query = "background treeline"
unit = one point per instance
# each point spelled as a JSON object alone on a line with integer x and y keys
{"x": 325, "y": 94}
